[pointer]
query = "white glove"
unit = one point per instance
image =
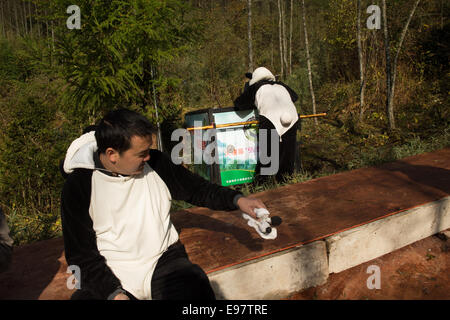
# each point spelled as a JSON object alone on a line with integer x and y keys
{"x": 261, "y": 224}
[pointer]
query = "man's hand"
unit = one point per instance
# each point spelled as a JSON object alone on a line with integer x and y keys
{"x": 247, "y": 205}
{"x": 121, "y": 296}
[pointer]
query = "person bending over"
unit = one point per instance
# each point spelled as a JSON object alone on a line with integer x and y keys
{"x": 274, "y": 101}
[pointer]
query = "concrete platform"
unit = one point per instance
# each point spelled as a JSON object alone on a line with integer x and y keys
{"x": 329, "y": 224}
{"x": 419, "y": 271}
{"x": 358, "y": 245}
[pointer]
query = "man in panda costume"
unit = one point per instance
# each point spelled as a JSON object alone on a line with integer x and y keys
{"x": 115, "y": 214}
{"x": 275, "y": 103}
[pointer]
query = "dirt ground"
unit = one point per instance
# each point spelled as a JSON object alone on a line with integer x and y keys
{"x": 420, "y": 270}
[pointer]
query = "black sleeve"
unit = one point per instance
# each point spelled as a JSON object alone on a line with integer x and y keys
{"x": 246, "y": 100}
{"x": 80, "y": 242}
{"x": 187, "y": 186}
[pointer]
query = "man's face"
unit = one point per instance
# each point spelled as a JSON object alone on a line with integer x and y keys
{"x": 131, "y": 162}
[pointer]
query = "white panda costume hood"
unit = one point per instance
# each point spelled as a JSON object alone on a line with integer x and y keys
{"x": 261, "y": 73}
{"x": 273, "y": 99}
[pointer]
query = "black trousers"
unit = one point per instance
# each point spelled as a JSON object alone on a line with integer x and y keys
{"x": 175, "y": 278}
{"x": 287, "y": 151}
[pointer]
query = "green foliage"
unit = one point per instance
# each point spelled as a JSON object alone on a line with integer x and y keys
{"x": 199, "y": 57}
{"x": 330, "y": 148}
{"x": 103, "y": 62}
{"x": 340, "y": 38}
{"x": 432, "y": 58}
{"x": 9, "y": 68}
{"x": 213, "y": 71}
{"x": 22, "y": 59}
{"x": 341, "y": 18}
{"x": 33, "y": 143}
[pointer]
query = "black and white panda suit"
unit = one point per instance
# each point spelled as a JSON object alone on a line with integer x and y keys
{"x": 274, "y": 101}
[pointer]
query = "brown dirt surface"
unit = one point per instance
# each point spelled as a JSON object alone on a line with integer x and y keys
{"x": 420, "y": 270}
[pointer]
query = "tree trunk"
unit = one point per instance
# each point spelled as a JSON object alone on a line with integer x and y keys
{"x": 290, "y": 38}
{"x": 53, "y": 44}
{"x": 389, "y": 111}
{"x": 3, "y": 21}
{"x": 273, "y": 21}
{"x": 24, "y": 18}
{"x": 16, "y": 19}
{"x": 281, "y": 39}
{"x": 46, "y": 28}
{"x": 53, "y": 38}
{"x": 361, "y": 63}
{"x": 402, "y": 37}
{"x": 31, "y": 23}
{"x": 271, "y": 53}
{"x": 308, "y": 61}
{"x": 8, "y": 13}
{"x": 38, "y": 22}
{"x": 283, "y": 24}
{"x": 250, "y": 51}
{"x": 392, "y": 73}
{"x": 159, "y": 136}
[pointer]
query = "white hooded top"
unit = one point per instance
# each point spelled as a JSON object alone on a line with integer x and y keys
{"x": 130, "y": 218}
{"x": 274, "y": 102}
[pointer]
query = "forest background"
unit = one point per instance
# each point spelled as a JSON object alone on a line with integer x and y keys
{"x": 385, "y": 90}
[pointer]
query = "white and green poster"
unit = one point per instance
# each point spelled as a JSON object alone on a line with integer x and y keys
{"x": 237, "y": 147}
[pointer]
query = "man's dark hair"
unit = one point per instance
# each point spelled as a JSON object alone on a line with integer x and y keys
{"x": 117, "y": 127}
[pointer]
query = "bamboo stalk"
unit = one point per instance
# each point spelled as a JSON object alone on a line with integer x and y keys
{"x": 219, "y": 126}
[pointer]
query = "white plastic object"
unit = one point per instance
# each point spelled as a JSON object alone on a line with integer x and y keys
{"x": 261, "y": 224}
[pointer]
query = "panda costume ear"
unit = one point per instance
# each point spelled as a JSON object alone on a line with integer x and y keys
{"x": 248, "y": 75}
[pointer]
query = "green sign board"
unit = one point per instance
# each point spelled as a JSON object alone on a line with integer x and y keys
{"x": 236, "y": 147}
